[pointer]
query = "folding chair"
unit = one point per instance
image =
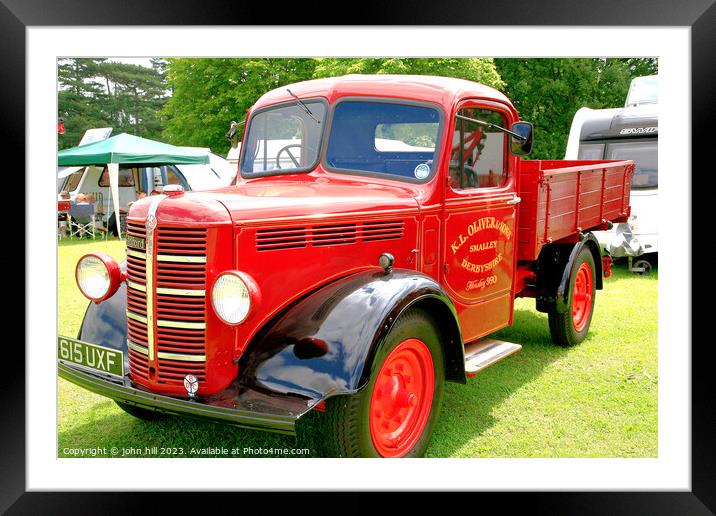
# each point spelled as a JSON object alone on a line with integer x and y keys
{"x": 63, "y": 210}
{"x": 82, "y": 220}
{"x": 100, "y": 222}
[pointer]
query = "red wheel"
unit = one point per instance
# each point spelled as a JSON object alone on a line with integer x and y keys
{"x": 571, "y": 327}
{"x": 394, "y": 414}
{"x": 582, "y": 297}
{"x": 402, "y": 398}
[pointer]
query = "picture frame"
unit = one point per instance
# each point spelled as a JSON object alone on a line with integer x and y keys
{"x": 16, "y": 16}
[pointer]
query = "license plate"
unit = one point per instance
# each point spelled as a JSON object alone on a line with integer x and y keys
{"x": 135, "y": 242}
{"x": 91, "y": 356}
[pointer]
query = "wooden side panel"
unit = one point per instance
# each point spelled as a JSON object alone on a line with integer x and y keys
{"x": 562, "y": 198}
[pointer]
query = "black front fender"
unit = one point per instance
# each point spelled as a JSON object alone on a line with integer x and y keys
{"x": 106, "y": 323}
{"x": 319, "y": 347}
{"x": 324, "y": 345}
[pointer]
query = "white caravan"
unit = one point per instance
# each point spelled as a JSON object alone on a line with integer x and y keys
{"x": 627, "y": 133}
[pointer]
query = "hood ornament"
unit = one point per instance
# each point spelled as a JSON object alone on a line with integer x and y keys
{"x": 191, "y": 384}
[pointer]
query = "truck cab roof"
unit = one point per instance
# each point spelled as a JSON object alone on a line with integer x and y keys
{"x": 426, "y": 88}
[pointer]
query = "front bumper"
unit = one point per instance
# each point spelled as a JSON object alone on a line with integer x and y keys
{"x": 239, "y": 407}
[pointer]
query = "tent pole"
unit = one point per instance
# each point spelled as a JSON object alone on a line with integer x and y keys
{"x": 114, "y": 187}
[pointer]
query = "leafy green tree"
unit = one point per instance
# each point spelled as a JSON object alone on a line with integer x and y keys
{"x": 210, "y": 93}
{"x": 548, "y": 92}
{"x": 472, "y": 69}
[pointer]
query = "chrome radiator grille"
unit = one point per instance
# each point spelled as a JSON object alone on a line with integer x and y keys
{"x": 177, "y": 288}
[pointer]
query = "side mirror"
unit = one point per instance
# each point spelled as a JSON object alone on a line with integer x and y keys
{"x": 521, "y": 146}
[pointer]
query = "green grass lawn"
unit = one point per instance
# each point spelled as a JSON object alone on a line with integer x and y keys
{"x": 598, "y": 399}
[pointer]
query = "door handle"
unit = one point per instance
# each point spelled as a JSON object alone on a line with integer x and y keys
{"x": 515, "y": 200}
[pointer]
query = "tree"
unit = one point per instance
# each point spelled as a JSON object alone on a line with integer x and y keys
{"x": 134, "y": 97}
{"x": 78, "y": 96}
{"x": 472, "y": 69}
{"x": 210, "y": 93}
{"x": 102, "y": 93}
{"x": 548, "y": 92}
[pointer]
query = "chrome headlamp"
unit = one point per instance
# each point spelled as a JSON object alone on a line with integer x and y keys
{"x": 233, "y": 296}
{"x": 98, "y": 276}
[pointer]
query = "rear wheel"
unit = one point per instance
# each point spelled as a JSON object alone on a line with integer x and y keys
{"x": 394, "y": 415}
{"x": 571, "y": 327}
{"x": 140, "y": 413}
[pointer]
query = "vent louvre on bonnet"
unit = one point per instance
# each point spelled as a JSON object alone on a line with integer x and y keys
{"x": 327, "y": 235}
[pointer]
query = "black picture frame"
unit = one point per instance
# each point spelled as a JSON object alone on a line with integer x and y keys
{"x": 699, "y": 15}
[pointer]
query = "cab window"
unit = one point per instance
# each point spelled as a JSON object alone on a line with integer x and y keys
{"x": 477, "y": 158}
{"x": 283, "y": 139}
{"x": 384, "y": 138}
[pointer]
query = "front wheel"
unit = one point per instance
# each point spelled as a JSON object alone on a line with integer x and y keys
{"x": 395, "y": 413}
{"x": 571, "y": 327}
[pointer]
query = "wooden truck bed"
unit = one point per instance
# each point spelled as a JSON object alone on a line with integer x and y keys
{"x": 561, "y": 198}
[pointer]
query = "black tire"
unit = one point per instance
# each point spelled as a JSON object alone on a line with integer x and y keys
{"x": 346, "y": 421}
{"x": 561, "y": 325}
{"x": 140, "y": 413}
{"x": 642, "y": 264}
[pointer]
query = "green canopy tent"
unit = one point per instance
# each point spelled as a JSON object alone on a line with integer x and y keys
{"x": 125, "y": 149}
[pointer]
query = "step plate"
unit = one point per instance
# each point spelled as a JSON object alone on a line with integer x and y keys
{"x": 486, "y": 352}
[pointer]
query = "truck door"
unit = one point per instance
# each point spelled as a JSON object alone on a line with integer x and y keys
{"x": 479, "y": 220}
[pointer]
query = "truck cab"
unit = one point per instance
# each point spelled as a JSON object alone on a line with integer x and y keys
{"x": 378, "y": 231}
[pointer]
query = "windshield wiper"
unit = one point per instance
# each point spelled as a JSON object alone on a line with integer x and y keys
{"x": 304, "y": 106}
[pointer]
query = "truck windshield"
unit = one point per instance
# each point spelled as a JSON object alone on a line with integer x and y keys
{"x": 645, "y": 158}
{"x": 283, "y": 139}
{"x": 384, "y": 138}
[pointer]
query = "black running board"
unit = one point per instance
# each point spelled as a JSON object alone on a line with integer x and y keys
{"x": 485, "y": 352}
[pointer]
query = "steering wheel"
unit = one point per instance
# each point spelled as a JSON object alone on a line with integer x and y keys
{"x": 287, "y": 151}
{"x": 471, "y": 175}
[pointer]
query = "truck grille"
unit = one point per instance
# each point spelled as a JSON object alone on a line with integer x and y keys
{"x": 180, "y": 306}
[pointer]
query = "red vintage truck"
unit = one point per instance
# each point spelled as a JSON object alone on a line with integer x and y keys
{"x": 379, "y": 231}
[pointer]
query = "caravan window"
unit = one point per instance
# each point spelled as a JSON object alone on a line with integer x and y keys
{"x": 645, "y": 157}
{"x": 172, "y": 177}
{"x": 126, "y": 177}
{"x": 591, "y": 151}
{"x": 73, "y": 181}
